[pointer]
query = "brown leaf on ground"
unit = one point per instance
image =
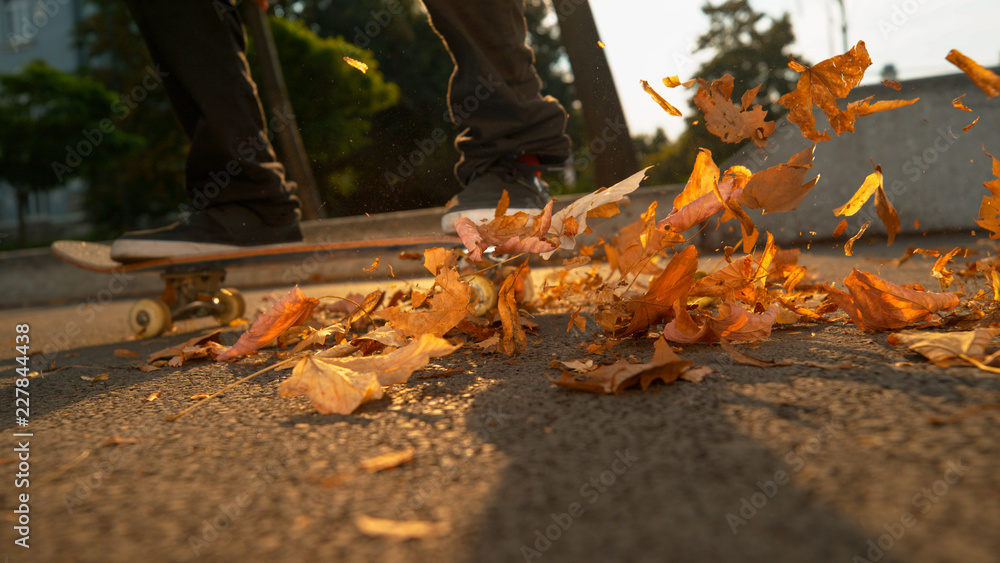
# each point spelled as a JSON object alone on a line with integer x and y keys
{"x": 291, "y": 310}
{"x": 448, "y": 307}
{"x": 387, "y": 460}
{"x": 658, "y": 303}
{"x": 399, "y": 530}
{"x": 513, "y": 340}
{"x": 989, "y": 210}
{"x": 841, "y": 227}
{"x": 726, "y": 120}
{"x": 957, "y": 102}
{"x": 945, "y": 348}
{"x": 117, "y": 440}
{"x": 780, "y": 188}
{"x": 365, "y": 308}
{"x": 822, "y": 85}
{"x": 741, "y": 279}
{"x": 123, "y": 353}
{"x": 667, "y": 107}
{"x": 615, "y": 378}
{"x": 875, "y": 304}
{"x": 745, "y": 358}
{"x": 397, "y": 366}
{"x": 382, "y": 337}
{"x": 331, "y": 388}
{"x": 177, "y": 350}
{"x": 733, "y": 323}
{"x": 986, "y": 79}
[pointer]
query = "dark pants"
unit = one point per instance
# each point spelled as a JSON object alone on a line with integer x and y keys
{"x": 494, "y": 92}
{"x": 201, "y": 45}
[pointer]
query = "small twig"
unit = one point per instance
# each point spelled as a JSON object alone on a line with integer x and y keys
{"x": 964, "y": 414}
{"x": 979, "y": 364}
{"x": 66, "y": 467}
{"x": 228, "y": 387}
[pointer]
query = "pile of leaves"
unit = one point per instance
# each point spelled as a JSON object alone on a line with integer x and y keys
{"x": 650, "y": 283}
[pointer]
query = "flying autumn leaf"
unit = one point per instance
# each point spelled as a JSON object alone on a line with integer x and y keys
{"x": 571, "y": 221}
{"x": 727, "y": 121}
{"x": 822, "y": 85}
{"x": 989, "y": 210}
{"x": 875, "y": 304}
{"x": 741, "y": 279}
{"x": 892, "y": 84}
{"x": 615, "y": 378}
{"x": 357, "y": 64}
{"x": 957, "y": 102}
{"x": 508, "y": 234}
{"x": 946, "y": 348}
{"x": 636, "y": 243}
{"x": 986, "y": 79}
{"x": 849, "y": 245}
{"x": 841, "y": 227}
{"x": 780, "y": 188}
{"x": 513, "y": 341}
{"x": 873, "y": 184}
{"x": 940, "y": 269}
{"x": 887, "y": 213}
{"x": 447, "y": 308}
{"x": 969, "y": 126}
{"x": 739, "y": 176}
{"x": 399, "y": 530}
{"x": 733, "y": 323}
{"x": 658, "y": 303}
{"x": 844, "y": 122}
{"x": 291, "y": 310}
{"x": 667, "y": 107}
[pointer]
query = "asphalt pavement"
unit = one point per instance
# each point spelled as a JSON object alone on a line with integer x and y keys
{"x": 792, "y": 463}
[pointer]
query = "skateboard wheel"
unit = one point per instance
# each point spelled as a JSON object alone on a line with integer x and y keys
{"x": 484, "y": 295}
{"x": 232, "y": 303}
{"x": 149, "y": 318}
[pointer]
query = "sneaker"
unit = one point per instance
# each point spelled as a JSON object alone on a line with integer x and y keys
{"x": 222, "y": 229}
{"x": 478, "y": 201}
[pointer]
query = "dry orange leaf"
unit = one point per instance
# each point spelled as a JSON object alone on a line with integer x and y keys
{"x": 957, "y": 102}
{"x": 631, "y": 251}
{"x": 945, "y": 348}
{"x": 658, "y": 303}
{"x": 780, "y": 188}
{"x": 513, "y": 341}
{"x": 615, "y": 378}
{"x": 841, "y": 227}
{"x": 399, "y": 530}
{"x": 733, "y": 323}
{"x": 872, "y": 182}
{"x": 124, "y": 353}
{"x": 291, "y": 310}
{"x": 508, "y": 234}
{"x": 986, "y": 79}
{"x": 571, "y": 221}
{"x": 849, "y": 245}
{"x": 741, "y": 279}
{"x": 726, "y": 120}
{"x": 940, "y": 270}
{"x": 340, "y": 385}
{"x": 887, "y": 213}
{"x": 357, "y": 64}
{"x": 844, "y": 122}
{"x": 447, "y": 308}
{"x": 892, "y": 84}
{"x": 667, "y": 107}
{"x": 969, "y": 126}
{"x": 387, "y": 460}
{"x": 179, "y": 350}
{"x": 989, "y": 210}
{"x": 875, "y": 304}
{"x": 821, "y": 85}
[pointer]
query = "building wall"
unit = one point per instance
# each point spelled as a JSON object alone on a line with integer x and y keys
{"x": 933, "y": 171}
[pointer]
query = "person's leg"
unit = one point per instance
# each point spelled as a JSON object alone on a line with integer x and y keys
{"x": 494, "y": 97}
{"x": 238, "y": 190}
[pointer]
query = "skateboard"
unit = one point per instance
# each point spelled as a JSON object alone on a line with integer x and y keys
{"x": 194, "y": 284}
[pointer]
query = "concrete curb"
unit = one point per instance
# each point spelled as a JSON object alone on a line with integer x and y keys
{"x": 35, "y": 277}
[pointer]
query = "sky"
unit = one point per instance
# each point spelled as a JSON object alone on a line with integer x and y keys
{"x": 651, "y": 39}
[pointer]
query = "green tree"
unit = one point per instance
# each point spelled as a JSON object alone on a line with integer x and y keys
{"x": 333, "y": 102}
{"x": 750, "y": 46}
{"x": 55, "y": 126}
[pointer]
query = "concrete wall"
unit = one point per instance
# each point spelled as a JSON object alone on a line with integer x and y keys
{"x": 933, "y": 172}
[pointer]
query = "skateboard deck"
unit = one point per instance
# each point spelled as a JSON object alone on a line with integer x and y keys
{"x": 193, "y": 284}
{"x": 96, "y": 257}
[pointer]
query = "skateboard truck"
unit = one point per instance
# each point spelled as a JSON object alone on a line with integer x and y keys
{"x": 187, "y": 294}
